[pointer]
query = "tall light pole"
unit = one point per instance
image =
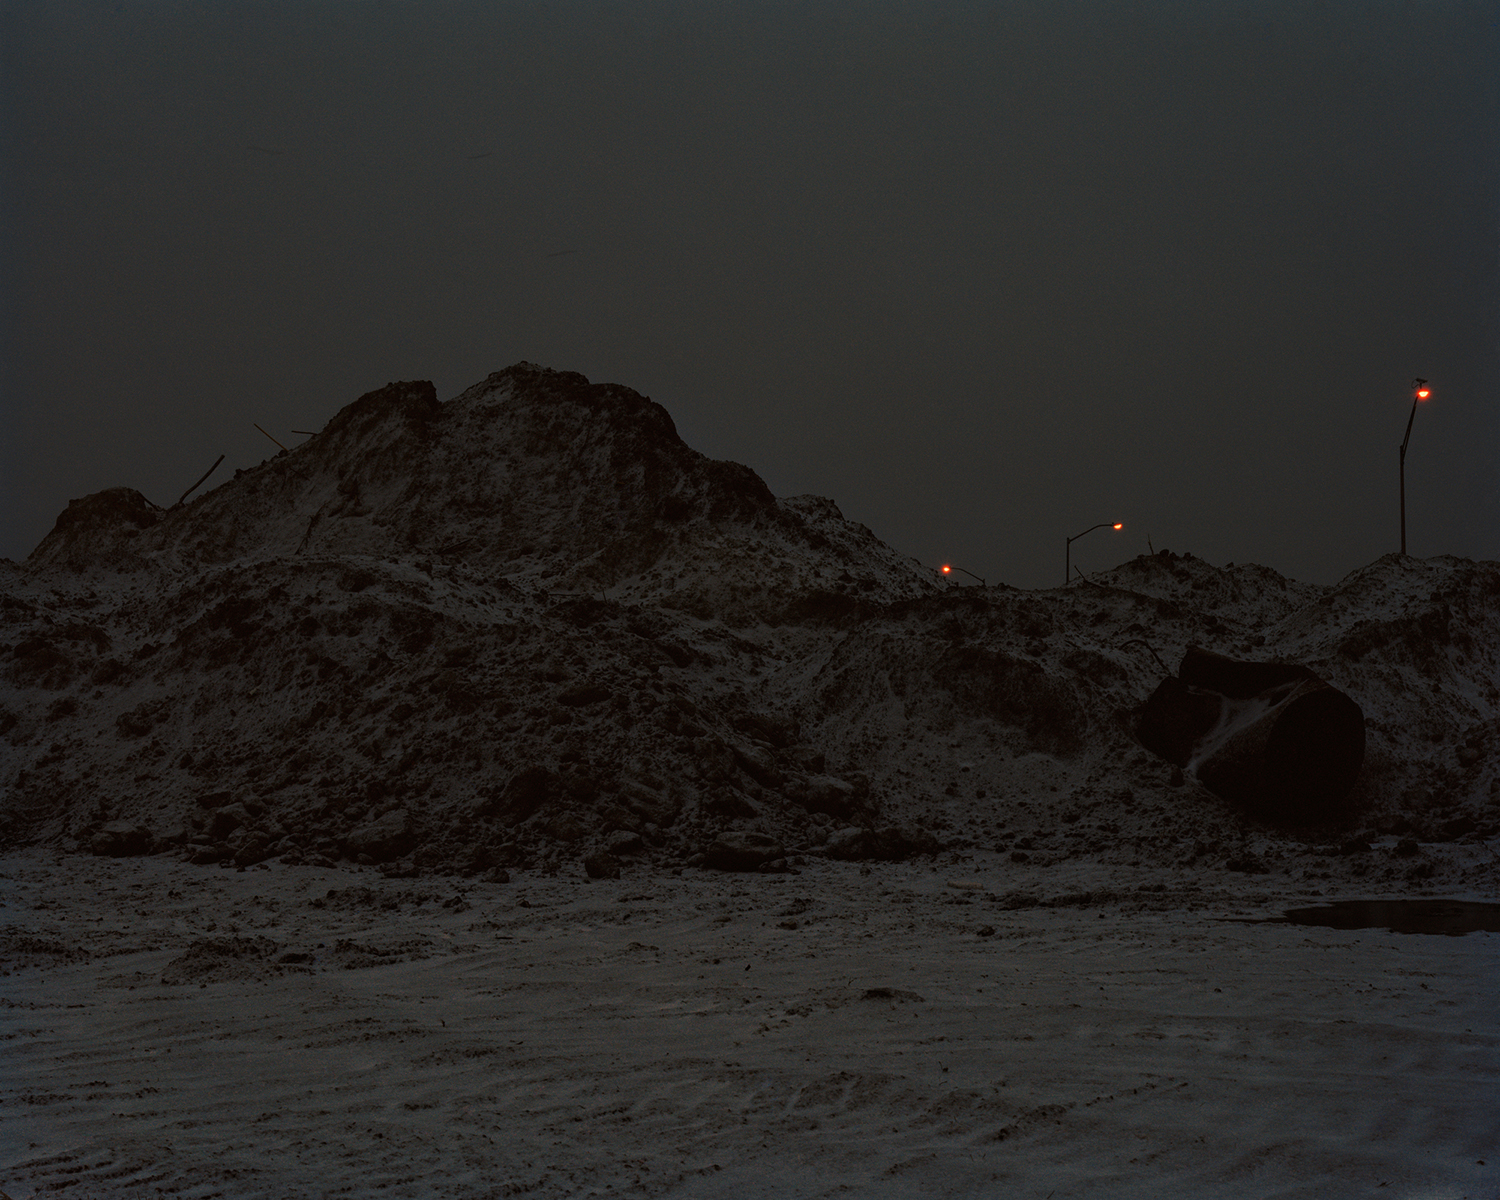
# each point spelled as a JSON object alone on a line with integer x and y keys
{"x": 1068, "y": 549}
{"x": 1419, "y": 392}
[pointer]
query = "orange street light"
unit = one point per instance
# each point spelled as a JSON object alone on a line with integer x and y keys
{"x": 948, "y": 570}
{"x": 1419, "y": 392}
{"x": 1068, "y": 549}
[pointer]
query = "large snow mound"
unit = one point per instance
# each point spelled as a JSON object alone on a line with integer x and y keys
{"x": 531, "y": 626}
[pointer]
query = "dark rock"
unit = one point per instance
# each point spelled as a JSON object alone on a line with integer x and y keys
{"x": 1176, "y": 718}
{"x": 602, "y": 866}
{"x": 61, "y": 708}
{"x": 215, "y": 799}
{"x": 382, "y": 839}
{"x": 1289, "y": 752}
{"x": 890, "y": 993}
{"x": 614, "y": 815}
{"x": 759, "y": 765}
{"x": 524, "y": 794}
{"x": 1013, "y": 900}
{"x": 1354, "y": 846}
{"x": 35, "y": 662}
{"x": 135, "y": 723}
{"x": 808, "y": 759}
{"x": 623, "y": 841}
{"x": 726, "y": 802}
{"x": 892, "y": 843}
{"x": 121, "y": 839}
{"x": 584, "y": 694}
{"x": 567, "y": 827}
{"x": 179, "y": 834}
{"x": 580, "y": 787}
{"x": 776, "y": 730}
{"x": 229, "y": 818}
{"x": 1406, "y": 847}
{"x": 584, "y": 611}
{"x": 742, "y": 851}
{"x": 110, "y": 670}
{"x": 1418, "y": 799}
{"x": 837, "y": 797}
{"x": 850, "y": 844}
{"x": 1459, "y": 826}
{"x": 648, "y": 803}
{"x": 256, "y": 849}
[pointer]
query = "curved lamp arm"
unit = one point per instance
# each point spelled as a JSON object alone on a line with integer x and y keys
{"x": 1068, "y": 549}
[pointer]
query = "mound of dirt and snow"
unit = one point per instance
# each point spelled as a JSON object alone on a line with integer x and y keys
{"x": 531, "y": 627}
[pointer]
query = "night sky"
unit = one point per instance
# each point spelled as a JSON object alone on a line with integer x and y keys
{"x": 984, "y": 273}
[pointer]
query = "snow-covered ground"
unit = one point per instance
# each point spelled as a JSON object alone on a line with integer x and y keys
{"x": 472, "y": 645}
{"x": 907, "y": 1029}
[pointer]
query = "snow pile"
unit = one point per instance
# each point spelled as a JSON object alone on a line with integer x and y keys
{"x": 531, "y": 627}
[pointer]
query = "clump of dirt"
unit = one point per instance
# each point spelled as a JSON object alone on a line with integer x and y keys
{"x": 216, "y": 960}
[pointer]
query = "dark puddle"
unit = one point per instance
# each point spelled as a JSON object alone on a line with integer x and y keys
{"x": 1451, "y": 917}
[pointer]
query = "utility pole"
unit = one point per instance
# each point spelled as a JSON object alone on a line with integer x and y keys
{"x": 1420, "y": 392}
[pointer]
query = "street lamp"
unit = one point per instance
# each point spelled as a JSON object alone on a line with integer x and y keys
{"x": 948, "y": 570}
{"x": 1068, "y": 549}
{"x": 1419, "y": 392}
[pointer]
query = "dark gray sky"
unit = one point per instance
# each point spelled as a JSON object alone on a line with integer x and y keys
{"x": 984, "y": 273}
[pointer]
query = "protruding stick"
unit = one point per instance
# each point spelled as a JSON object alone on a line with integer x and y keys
{"x": 267, "y": 434}
{"x": 1154, "y": 654}
{"x": 199, "y": 484}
